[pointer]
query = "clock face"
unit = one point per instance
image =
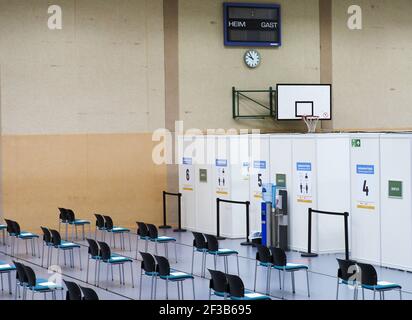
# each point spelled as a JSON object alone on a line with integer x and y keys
{"x": 252, "y": 59}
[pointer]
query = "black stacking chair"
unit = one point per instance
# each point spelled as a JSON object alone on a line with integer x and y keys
{"x": 169, "y": 275}
{"x": 16, "y": 233}
{"x": 65, "y": 247}
{"x": 113, "y": 230}
{"x": 154, "y": 237}
{"x": 263, "y": 259}
{"x": 347, "y": 275}
{"x": 3, "y": 229}
{"x": 199, "y": 245}
{"x": 280, "y": 263}
{"x": 93, "y": 254}
{"x": 142, "y": 234}
{"x": 112, "y": 260}
{"x": 218, "y": 285}
{"x": 21, "y": 280}
{"x": 6, "y": 269}
{"x": 43, "y": 286}
{"x": 75, "y": 223}
{"x": 48, "y": 243}
{"x": 100, "y": 226}
{"x": 63, "y": 220}
{"x": 237, "y": 290}
{"x": 369, "y": 281}
{"x": 73, "y": 291}
{"x": 213, "y": 249}
{"x": 89, "y": 294}
{"x": 148, "y": 268}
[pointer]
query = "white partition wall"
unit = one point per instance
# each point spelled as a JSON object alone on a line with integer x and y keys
{"x": 304, "y": 194}
{"x": 333, "y": 190}
{"x": 187, "y": 179}
{"x": 396, "y": 201}
{"x": 365, "y": 198}
{"x": 259, "y": 174}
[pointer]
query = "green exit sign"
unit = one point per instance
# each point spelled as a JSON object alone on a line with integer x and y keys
{"x": 395, "y": 189}
{"x": 356, "y": 143}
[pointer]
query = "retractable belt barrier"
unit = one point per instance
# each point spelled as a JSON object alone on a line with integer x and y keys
{"x": 309, "y": 254}
{"x": 247, "y": 204}
{"x": 165, "y": 226}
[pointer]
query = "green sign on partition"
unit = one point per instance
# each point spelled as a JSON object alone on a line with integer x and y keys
{"x": 356, "y": 143}
{"x": 396, "y": 189}
{"x": 281, "y": 180}
{"x": 203, "y": 175}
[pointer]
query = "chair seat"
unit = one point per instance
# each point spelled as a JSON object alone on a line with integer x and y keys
{"x": 163, "y": 239}
{"x": 383, "y": 285}
{"x": 5, "y": 267}
{"x": 266, "y": 264}
{"x": 292, "y": 267}
{"x": 221, "y": 294}
{"x": 252, "y": 296}
{"x": 119, "y": 230}
{"x": 27, "y": 235}
{"x": 204, "y": 250}
{"x": 79, "y": 222}
{"x": 44, "y": 285}
{"x": 68, "y": 245}
{"x": 223, "y": 252}
{"x": 152, "y": 274}
{"x": 3, "y": 227}
{"x": 176, "y": 276}
{"x": 116, "y": 259}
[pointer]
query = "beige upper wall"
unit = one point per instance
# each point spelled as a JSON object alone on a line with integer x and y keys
{"x": 208, "y": 69}
{"x": 103, "y": 73}
{"x": 372, "y": 68}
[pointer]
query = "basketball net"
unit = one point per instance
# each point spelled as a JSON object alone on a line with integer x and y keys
{"x": 311, "y": 123}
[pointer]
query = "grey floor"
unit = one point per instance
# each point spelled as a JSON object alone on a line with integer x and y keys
{"x": 322, "y": 273}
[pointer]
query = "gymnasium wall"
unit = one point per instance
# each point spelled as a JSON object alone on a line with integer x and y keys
{"x": 208, "y": 70}
{"x": 372, "y": 67}
{"x": 78, "y": 106}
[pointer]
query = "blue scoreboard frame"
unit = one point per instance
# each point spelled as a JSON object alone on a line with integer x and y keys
{"x": 227, "y": 42}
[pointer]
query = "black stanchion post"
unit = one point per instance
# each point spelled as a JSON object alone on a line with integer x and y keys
{"x": 164, "y": 226}
{"x": 309, "y": 254}
{"x": 218, "y": 220}
{"x": 247, "y": 242}
{"x": 179, "y": 229}
{"x": 347, "y": 235}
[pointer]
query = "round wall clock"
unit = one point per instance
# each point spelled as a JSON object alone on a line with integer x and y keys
{"x": 252, "y": 59}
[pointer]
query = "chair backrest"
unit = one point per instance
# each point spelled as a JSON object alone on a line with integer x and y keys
{"x": 89, "y": 294}
{"x": 218, "y": 282}
{"x": 148, "y": 263}
{"x": 99, "y": 221}
{"x": 93, "y": 248}
{"x": 108, "y": 222}
{"x": 70, "y": 215}
{"x": 20, "y": 272}
{"x": 9, "y": 226}
{"x": 347, "y": 269}
{"x": 142, "y": 230}
{"x": 47, "y": 237}
{"x": 263, "y": 254}
{"x": 73, "y": 291}
{"x": 16, "y": 228}
{"x": 105, "y": 251}
{"x": 199, "y": 241}
{"x": 236, "y": 286}
{"x": 163, "y": 265}
{"x": 153, "y": 233}
{"x": 56, "y": 238}
{"x": 212, "y": 243}
{"x": 279, "y": 257}
{"x": 31, "y": 276}
{"x": 63, "y": 214}
{"x": 368, "y": 274}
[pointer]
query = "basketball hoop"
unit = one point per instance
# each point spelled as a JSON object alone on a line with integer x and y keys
{"x": 311, "y": 123}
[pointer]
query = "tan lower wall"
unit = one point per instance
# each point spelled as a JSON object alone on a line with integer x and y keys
{"x": 109, "y": 174}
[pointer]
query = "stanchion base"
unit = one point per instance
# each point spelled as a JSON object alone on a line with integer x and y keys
{"x": 220, "y": 238}
{"x": 247, "y": 244}
{"x": 165, "y": 227}
{"x": 179, "y": 230}
{"x": 309, "y": 255}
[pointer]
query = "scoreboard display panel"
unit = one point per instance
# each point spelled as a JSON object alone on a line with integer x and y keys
{"x": 252, "y": 25}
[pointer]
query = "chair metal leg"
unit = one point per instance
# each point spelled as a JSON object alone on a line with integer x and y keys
{"x": 131, "y": 273}
{"x": 363, "y": 294}
{"x": 210, "y": 294}
{"x": 176, "y": 251}
{"x": 374, "y": 294}
{"x": 178, "y": 290}
{"x": 183, "y": 294}
{"x": 337, "y": 290}
{"x": 193, "y": 260}
{"x": 280, "y": 280}
{"x": 87, "y": 272}
{"x": 292, "y": 274}
{"x": 307, "y": 281}
{"x": 256, "y": 267}
{"x": 42, "y": 256}
{"x": 283, "y": 284}
{"x": 9, "y": 278}
{"x": 268, "y": 281}
{"x": 130, "y": 242}
{"x": 400, "y": 294}
{"x": 237, "y": 262}
{"x": 137, "y": 246}
{"x": 167, "y": 289}
{"x": 193, "y": 286}
{"x": 141, "y": 284}
{"x": 215, "y": 261}
{"x": 80, "y": 258}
